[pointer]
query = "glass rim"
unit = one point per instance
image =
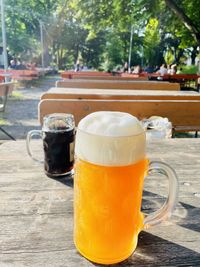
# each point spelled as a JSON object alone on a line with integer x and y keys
{"x": 110, "y": 136}
{"x": 64, "y": 115}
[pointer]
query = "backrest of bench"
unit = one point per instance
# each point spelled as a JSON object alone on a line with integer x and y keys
{"x": 180, "y": 113}
{"x": 80, "y": 93}
{"x": 119, "y": 84}
{"x": 21, "y": 74}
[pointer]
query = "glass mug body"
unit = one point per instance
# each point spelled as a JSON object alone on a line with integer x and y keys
{"x": 58, "y": 135}
{"x": 58, "y": 152}
{"x": 108, "y": 210}
{"x": 108, "y": 186}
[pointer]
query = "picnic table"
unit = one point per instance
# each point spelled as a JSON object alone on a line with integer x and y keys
{"x": 84, "y": 93}
{"x": 36, "y": 214}
{"x": 186, "y": 81}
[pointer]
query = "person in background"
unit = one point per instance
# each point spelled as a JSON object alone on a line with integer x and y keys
{"x": 125, "y": 68}
{"x": 21, "y": 65}
{"x": 32, "y": 65}
{"x": 163, "y": 70}
{"x": 156, "y": 68}
{"x": 169, "y": 68}
{"x": 173, "y": 69}
{"x": 149, "y": 69}
{"x": 13, "y": 64}
{"x": 137, "y": 69}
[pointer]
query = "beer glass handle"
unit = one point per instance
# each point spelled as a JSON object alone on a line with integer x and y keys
{"x": 28, "y": 143}
{"x": 166, "y": 210}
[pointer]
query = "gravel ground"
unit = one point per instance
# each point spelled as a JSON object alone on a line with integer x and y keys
{"x": 21, "y": 114}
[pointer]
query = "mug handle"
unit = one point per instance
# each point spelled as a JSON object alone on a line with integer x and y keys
{"x": 166, "y": 210}
{"x": 28, "y": 143}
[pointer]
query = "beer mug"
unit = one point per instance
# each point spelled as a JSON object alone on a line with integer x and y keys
{"x": 108, "y": 184}
{"x": 58, "y": 134}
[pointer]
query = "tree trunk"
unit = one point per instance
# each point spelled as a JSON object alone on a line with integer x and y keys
{"x": 184, "y": 19}
{"x": 76, "y": 52}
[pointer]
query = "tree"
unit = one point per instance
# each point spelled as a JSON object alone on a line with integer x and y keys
{"x": 152, "y": 40}
{"x": 100, "y": 31}
{"x": 192, "y": 24}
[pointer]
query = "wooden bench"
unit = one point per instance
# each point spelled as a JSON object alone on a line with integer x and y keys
{"x": 72, "y": 74}
{"x": 21, "y": 75}
{"x": 117, "y": 78}
{"x": 183, "y": 114}
{"x": 5, "y": 90}
{"x": 98, "y": 84}
{"x": 109, "y": 94}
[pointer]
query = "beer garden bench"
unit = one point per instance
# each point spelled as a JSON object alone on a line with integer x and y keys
{"x": 184, "y": 114}
{"x": 117, "y": 84}
{"x": 142, "y": 98}
{"x": 21, "y": 75}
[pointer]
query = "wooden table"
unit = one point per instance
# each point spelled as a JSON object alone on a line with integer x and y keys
{"x": 118, "y": 84}
{"x": 82, "y": 93}
{"x": 36, "y": 212}
{"x": 186, "y": 81}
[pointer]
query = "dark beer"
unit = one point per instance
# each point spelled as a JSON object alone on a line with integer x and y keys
{"x": 58, "y": 151}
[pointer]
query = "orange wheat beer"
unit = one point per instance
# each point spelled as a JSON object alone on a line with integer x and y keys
{"x": 108, "y": 184}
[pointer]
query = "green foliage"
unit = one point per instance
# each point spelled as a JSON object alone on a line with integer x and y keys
{"x": 189, "y": 69}
{"x": 3, "y": 122}
{"x": 16, "y": 96}
{"x": 169, "y": 57}
{"x": 98, "y": 32}
{"x": 152, "y": 41}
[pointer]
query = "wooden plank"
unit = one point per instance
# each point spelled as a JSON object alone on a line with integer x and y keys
{"x": 98, "y": 84}
{"x": 81, "y": 93}
{"x": 70, "y": 74}
{"x": 114, "y": 78}
{"x": 180, "y": 113}
{"x": 21, "y": 74}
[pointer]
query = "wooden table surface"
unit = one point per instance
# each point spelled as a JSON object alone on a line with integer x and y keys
{"x": 36, "y": 212}
{"x": 82, "y": 93}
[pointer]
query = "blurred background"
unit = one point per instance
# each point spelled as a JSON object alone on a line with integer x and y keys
{"x": 102, "y": 34}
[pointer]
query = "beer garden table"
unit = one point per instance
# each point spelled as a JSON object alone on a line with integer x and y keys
{"x": 36, "y": 212}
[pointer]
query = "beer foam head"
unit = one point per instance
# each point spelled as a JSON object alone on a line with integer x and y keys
{"x": 111, "y": 124}
{"x": 110, "y": 138}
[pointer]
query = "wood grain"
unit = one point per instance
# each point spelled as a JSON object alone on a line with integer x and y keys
{"x": 180, "y": 113}
{"x": 36, "y": 212}
{"x": 112, "y": 78}
{"x": 110, "y": 94}
{"x": 106, "y": 84}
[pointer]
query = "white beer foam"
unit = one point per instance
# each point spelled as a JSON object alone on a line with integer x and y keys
{"x": 110, "y": 139}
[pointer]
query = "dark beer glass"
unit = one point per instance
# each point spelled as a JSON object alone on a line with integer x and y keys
{"x": 58, "y": 134}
